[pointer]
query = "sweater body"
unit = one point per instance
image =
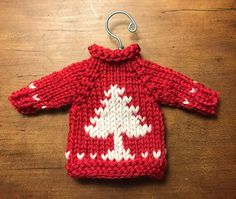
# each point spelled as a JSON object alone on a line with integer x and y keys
{"x": 116, "y": 128}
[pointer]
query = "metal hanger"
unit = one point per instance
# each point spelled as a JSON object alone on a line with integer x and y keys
{"x": 132, "y": 24}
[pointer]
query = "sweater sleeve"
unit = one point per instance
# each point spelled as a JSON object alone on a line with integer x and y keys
{"x": 52, "y": 91}
{"x": 175, "y": 89}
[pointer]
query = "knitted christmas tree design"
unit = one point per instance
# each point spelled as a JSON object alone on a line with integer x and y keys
{"x": 117, "y": 118}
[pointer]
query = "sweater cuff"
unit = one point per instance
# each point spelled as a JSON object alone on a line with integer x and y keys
{"x": 24, "y": 101}
{"x": 206, "y": 101}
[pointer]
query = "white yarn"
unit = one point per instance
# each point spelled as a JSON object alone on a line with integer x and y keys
{"x": 185, "y": 101}
{"x": 144, "y": 155}
{"x": 156, "y": 154}
{"x": 193, "y": 90}
{"x": 80, "y": 156}
{"x": 67, "y": 154}
{"x": 32, "y": 86}
{"x": 35, "y": 97}
{"x": 93, "y": 156}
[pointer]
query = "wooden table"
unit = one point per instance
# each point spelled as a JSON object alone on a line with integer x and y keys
{"x": 196, "y": 38}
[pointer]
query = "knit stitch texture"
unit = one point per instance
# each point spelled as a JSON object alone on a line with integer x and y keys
{"x": 116, "y": 128}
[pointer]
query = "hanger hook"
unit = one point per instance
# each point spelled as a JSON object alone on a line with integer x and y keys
{"x": 132, "y": 27}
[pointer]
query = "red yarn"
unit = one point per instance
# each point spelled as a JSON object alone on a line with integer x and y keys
{"x": 116, "y": 126}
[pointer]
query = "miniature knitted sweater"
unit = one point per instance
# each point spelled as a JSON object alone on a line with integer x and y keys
{"x": 116, "y": 128}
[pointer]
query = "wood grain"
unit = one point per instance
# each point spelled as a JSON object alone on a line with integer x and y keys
{"x": 197, "y": 38}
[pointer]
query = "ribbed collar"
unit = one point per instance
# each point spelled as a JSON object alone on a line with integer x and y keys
{"x": 107, "y": 54}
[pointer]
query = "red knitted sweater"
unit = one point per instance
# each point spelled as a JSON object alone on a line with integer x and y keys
{"x": 116, "y": 127}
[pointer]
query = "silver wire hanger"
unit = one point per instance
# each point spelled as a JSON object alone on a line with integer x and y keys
{"x": 132, "y": 24}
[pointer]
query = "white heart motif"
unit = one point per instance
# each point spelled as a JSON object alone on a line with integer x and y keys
{"x": 32, "y": 86}
{"x": 35, "y": 97}
{"x": 185, "y": 101}
{"x": 104, "y": 157}
{"x": 193, "y": 90}
{"x": 93, "y": 156}
{"x": 144, "y": 155}
{"x": 80, "y": 156}
{"x": 157, "y": 154}
{"x": 67, "y": 154}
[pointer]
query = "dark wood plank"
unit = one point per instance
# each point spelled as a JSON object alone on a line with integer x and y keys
{"x": 196, "y": 38}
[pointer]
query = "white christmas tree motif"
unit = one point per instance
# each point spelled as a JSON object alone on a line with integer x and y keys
{"x": 117, "y": 118}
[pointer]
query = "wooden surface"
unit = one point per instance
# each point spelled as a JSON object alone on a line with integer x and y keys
{"x": 197, "y": 38}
